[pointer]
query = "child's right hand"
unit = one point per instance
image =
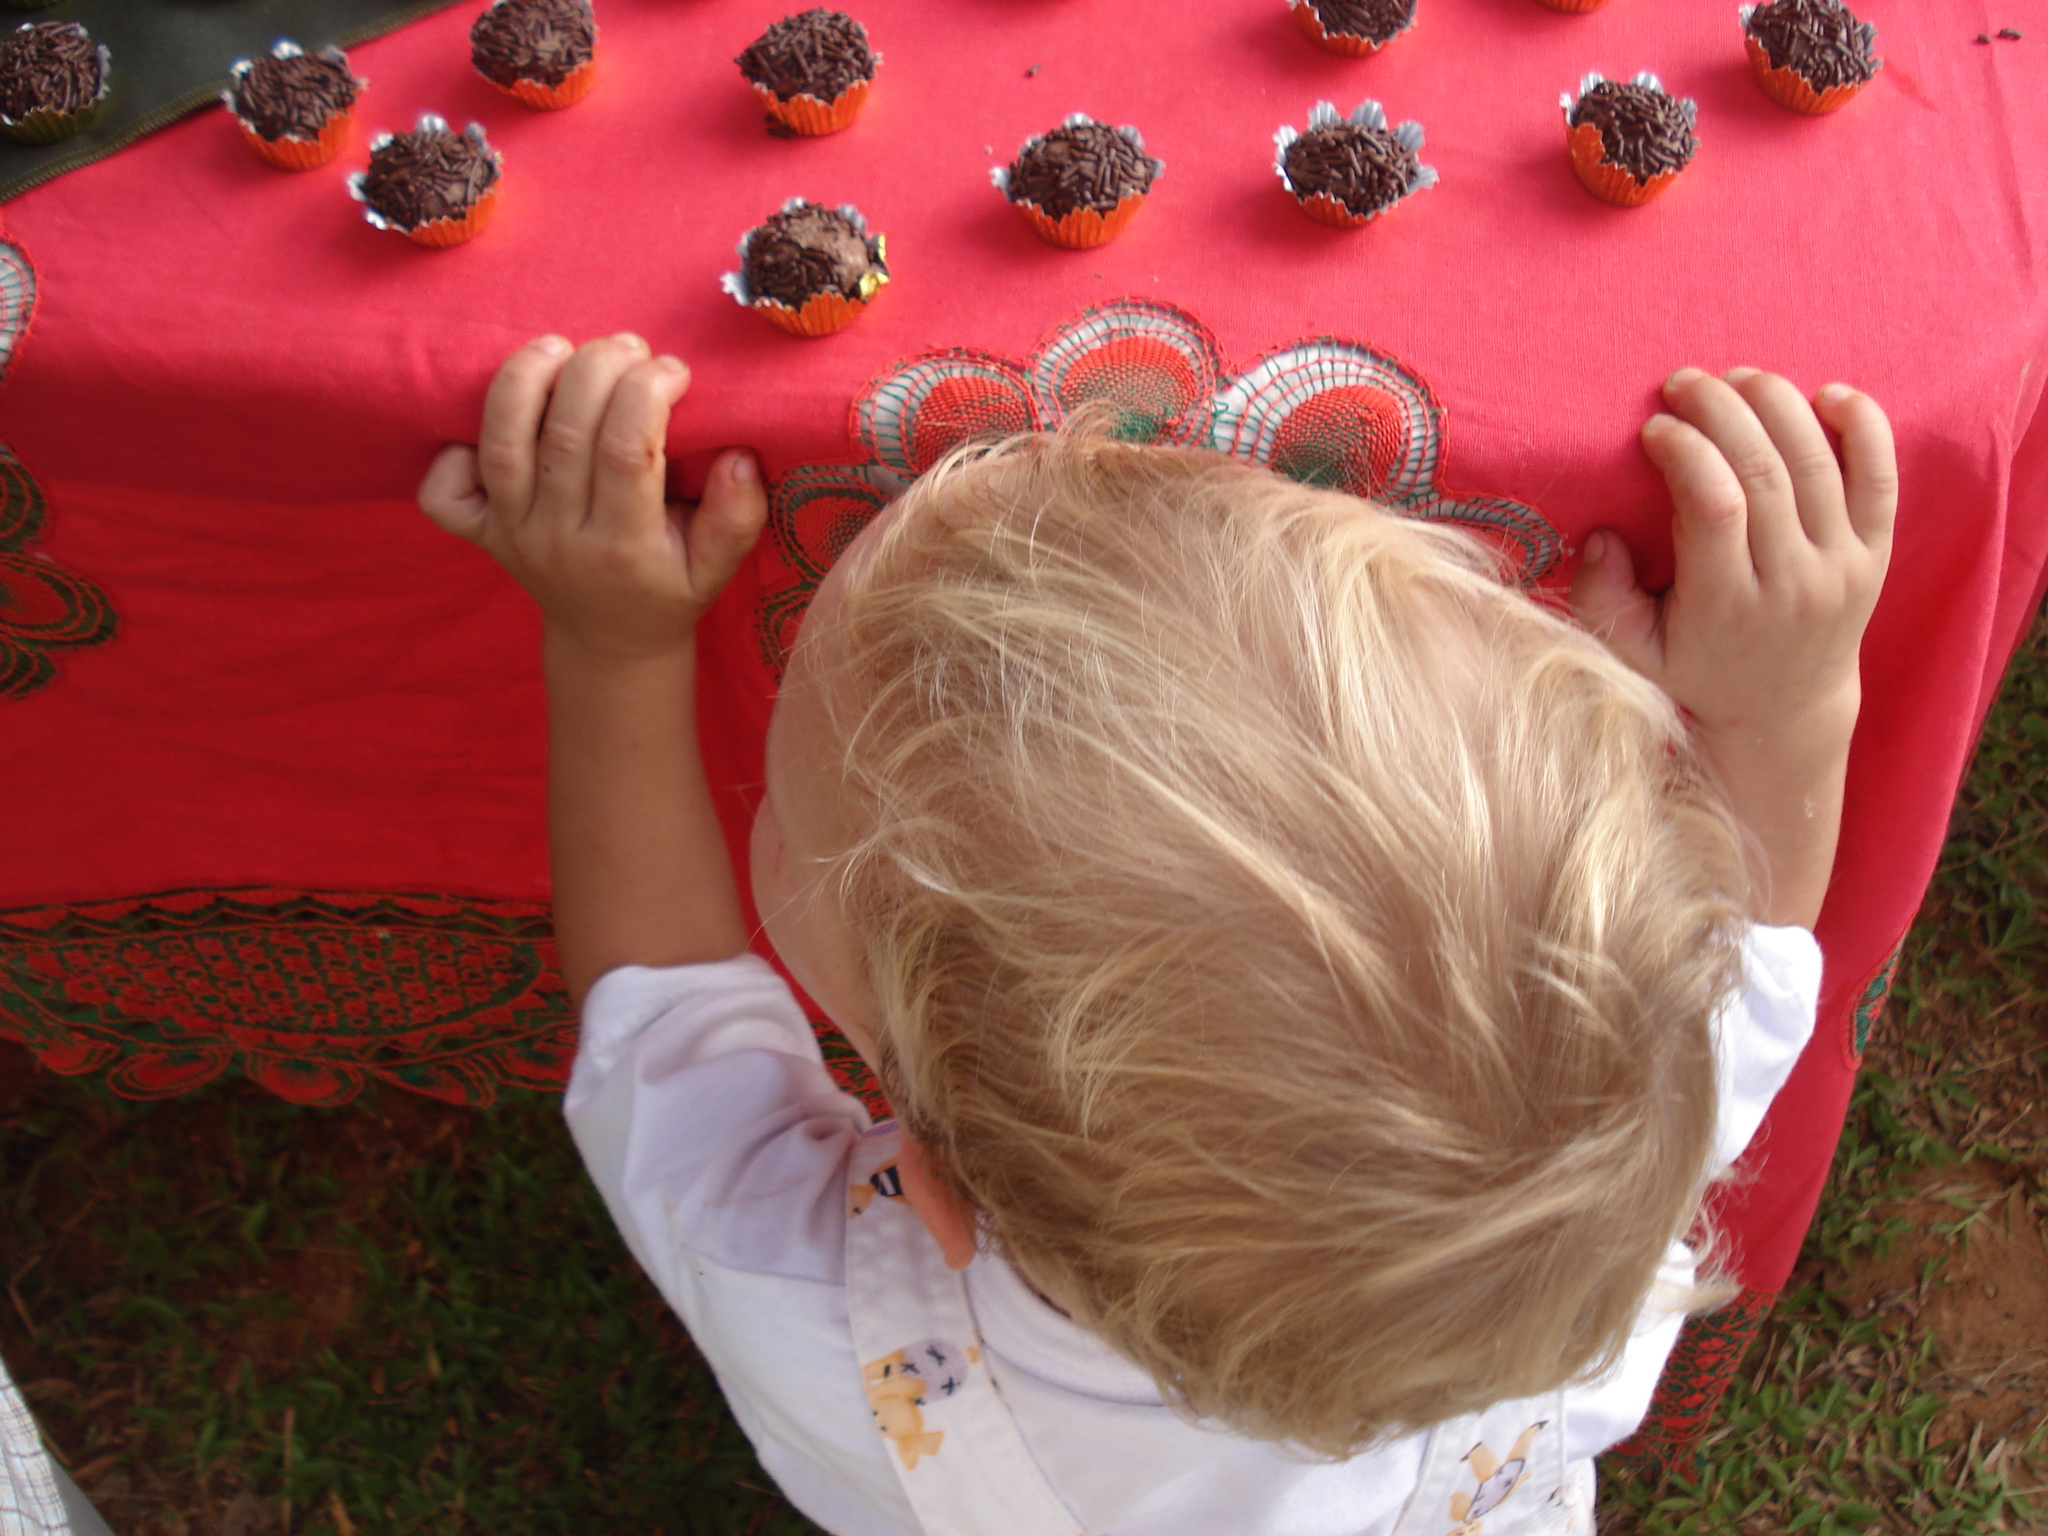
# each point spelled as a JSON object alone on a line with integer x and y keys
{"x": 565, "y": 490}
{"x": 1780, "y": 551}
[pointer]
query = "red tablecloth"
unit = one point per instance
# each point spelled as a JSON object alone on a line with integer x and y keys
{"x": 320, "y": 720}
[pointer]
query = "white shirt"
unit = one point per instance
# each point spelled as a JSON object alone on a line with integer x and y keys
{"x": 712, "y": 1128}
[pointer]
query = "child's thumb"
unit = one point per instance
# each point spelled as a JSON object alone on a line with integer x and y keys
{"x": 451, "y": 494}
{"x": 1607, "y": 600}
{"x": 729, "y": 518}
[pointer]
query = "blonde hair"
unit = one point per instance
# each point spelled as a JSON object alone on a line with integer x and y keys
{"x": 1299, "y": 947}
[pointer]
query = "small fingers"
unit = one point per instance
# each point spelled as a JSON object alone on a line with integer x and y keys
{"x": 626, "y": 483}
{"x": 1710, "y": 537}
{"x": 1719, "y": 414}
{"x": 1869, "y": 463}
{"x": 451, "y": 494}
{"x": 1803, "y": 448}
{"x": 566, "y": 463}
{"x": 1609, "y": 601}
{"x": 728, "y": 520}
{"x": 513, "y": 407}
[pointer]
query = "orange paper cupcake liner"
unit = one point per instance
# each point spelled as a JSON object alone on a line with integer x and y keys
{"x": 1084, "y": 228}
{"x": 1611, "y": 183}
{"x": 1345, "y": 43}
{"x": 442, "y": 233}
{"x": 546, "y": 98}
{"x": 1573, "y": 5}
{"x": 821, "y": 315}
{"x": 811, "y": 117}
{"x": 1325, "y": 209}
{"x": 1788, "y": 89}
{"x": 301, "y": 154}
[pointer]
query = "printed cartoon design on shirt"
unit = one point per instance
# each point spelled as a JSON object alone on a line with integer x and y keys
{"x": 886, "y": 1181}
{"x": 1498, "y": 1479}
{"x": 900, "y": 1384}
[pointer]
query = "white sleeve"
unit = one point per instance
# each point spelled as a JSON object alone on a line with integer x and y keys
{"x": 1757, "y": 1038}
{"x": 709, "y": 1123}
{"x": 1762, "y": 1030}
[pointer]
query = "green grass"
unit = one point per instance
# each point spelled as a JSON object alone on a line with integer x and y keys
{"x": 468, "y": 1346}
{"x": 235, "y": 1316}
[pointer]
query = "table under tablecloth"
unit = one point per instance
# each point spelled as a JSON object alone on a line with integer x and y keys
{"x": 274, "y": 766}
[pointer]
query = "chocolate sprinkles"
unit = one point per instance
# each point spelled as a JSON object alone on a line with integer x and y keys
{"x": 813, "y": 53}
{"x": 1080, "y": 164}
{"x": 1373, "y": 20}
{"x": 545, "y": 41}
{"x": 293, "y": 95}
{"x": 808, "y": 249}
{"x": 1818, "y": 40}
{"x": 1365, "y": 169}
{"x": 431, "y": 173}
{"x": 51, "y": 66}
{"x": 1642, "y": 130}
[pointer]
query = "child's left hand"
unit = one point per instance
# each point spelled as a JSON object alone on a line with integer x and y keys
{"x": 565, "y": 490}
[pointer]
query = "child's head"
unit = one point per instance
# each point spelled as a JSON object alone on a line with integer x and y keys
{"x": 1297, "y": 947}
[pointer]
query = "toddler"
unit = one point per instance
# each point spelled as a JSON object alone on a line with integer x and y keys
{"x": 1316, "y": 982}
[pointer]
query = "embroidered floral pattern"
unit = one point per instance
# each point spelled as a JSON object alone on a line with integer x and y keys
{"x": 312, "y": 994}
{"x": 1326, "y": 411}
{"x": 45, "y": 610}
{"x": 1710, "y": 1347}
{"x": 1869, "y": 1005}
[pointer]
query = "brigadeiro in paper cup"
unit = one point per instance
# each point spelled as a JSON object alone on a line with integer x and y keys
{"x": 809, "y": 269}
{"x": 1079, "y": 185}
{"x": 1628, "y": 142}
{"x": 294, "y": 107}
{"x": 53, "y": 78}
{"x": 1809, "y": 55}
{"x": 1347, "y": 171}
{"x": 1353, "y": 27}
{"x": 433, "y": 185}
{"x": 541, "y": 53}
{"x": 811, "y": 72}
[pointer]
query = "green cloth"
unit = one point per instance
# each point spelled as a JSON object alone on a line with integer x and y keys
{"x": 171, "y": 57}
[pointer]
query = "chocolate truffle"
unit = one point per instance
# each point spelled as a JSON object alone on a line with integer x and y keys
{"x": 811, "y": 71}
{"x": 1081, "y": 183}
{"x": 1809, "y": 55}
{"x": 1628, "y": 141}
{"x": 1345, "y": 171}
{"x": 434, "y": 185}
{"x": 1354, "y": 26}
{"x": 292, "y": 94}
{"x": 809, "y": 268}
{"x": 539, "y": 51}
{"x": 293, "y": 107}
{"x": 1081, "y": 164}
{"x": 52, "y": 79}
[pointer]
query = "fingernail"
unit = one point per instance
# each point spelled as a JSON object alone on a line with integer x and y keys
{"x": 1660, "y": 422}
{"x": 1683, "y": 377}
{"x": 553, "y": 346}
{"x": 629, "y": 339}
{"x": 1596, "y": 548}
{"x": 744, "y": 470}
{"x": 1739, "y": 375}
{"x": 668, "y": 363}
{"x": 1834, "y": 394}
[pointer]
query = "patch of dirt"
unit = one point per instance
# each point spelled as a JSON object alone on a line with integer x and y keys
{"x": 93, "y": 1419}
{"x": 1980, "y": 1292}
{"x": 1971, "y": 1270}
